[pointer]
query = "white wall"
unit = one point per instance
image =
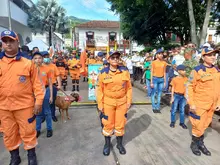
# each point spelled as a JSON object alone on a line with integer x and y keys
{"x": 215, "y": 38}
{"x": 101, "y": 36}
{"x": 17, "y": 14}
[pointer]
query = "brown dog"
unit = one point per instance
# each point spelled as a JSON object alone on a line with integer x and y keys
{"x": 64, "y": 102}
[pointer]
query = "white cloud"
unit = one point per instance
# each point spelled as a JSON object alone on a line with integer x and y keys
{"x": 89, "y": 4}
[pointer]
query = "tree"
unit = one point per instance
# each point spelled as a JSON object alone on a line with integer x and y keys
{"x": 47, "y": 16}
{"x": 148, "y": 21}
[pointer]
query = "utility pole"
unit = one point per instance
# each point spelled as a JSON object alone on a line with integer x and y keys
{"x": 9, "y": 15}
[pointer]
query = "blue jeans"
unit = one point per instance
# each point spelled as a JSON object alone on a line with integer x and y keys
{"x": 181, "y": 101}
{"x": 148, "y": 88}
{"x": 158, "y": 88}
{"x": 46, "y": 113}
{"x": 166, "y": 89}
{"x": 52, "y": 106}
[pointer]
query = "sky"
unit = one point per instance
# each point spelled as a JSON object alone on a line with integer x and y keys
{"x": 88, "y": 9}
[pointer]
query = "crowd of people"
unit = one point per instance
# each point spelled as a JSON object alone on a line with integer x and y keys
{"x": 30, "y": 80}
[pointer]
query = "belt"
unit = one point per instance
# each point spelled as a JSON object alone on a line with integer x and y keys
{"x": 158, "y": 77}
{"x": 181, "y": 94}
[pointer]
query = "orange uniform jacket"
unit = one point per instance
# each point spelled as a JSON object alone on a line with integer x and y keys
{"x": 54, "y": 72}
{"x": 90, "y": 61}
{"x": 18, "y": 81}
{"x": 114, "y": 88}
{"x": 74, "y": 62}
{"x": 203, "y": 87}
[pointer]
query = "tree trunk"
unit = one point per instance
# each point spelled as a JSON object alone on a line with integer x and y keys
{"x": 50, "y": 36}
{"x": 203, "y": 33}
{"x": 192, "y": 22}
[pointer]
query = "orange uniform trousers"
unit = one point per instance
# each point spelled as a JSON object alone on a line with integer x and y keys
{"x": 16, "y": 128}
{"x": 75, "y": 74}
{"x": 114, "y": 120}
{"x": 199, "y": 126}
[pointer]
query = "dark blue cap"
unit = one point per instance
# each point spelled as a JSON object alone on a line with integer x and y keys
{"x": 180, "y": 67}
{"x": 159, "y": 51}
{"x": 105, "y": 62}
{"x": 100, "y": 54}
{"x": 37, "y": 53}
{"x": 44, "y": 53}
{"x": 9, "y": 34}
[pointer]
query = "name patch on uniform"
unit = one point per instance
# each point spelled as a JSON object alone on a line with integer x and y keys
{"x": 22, "y": 79}
{"x": 43, "y": 73}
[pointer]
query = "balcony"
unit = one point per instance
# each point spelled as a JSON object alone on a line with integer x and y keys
{"x": 112, "y": 43}
{"x": 90, "y": 43}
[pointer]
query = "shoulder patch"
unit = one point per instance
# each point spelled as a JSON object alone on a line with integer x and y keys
{"x": 105, "y": 70}
{"x": 200, "y": 67}
{"x": 122, "y": 68}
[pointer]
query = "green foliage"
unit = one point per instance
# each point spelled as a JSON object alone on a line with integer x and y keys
{"x": 147, "y": 21}
{"x": 46, "y": 14}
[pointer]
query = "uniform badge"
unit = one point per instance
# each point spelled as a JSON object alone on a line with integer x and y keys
{"x": 43, "y": 73}
{"x": 22, "y": 79}
{"x": 7, "y": 32}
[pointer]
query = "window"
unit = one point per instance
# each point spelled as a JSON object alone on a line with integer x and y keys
{"x": 90, "y": 35}
{"x": 112, "y": 36}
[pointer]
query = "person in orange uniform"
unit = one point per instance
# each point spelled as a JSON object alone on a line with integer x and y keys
{"x": 202, "y": 94}
{"x": 56, "y": 79}
{"x": 45, "y": 75}
{"x": 61, "y": 65}
{"x": 74, "y": 68}
{"x": 99, "y": 59}
{"x": 158, "y": 80}
{"x": 114, "y": 96}
{"x": 21, "y": 96}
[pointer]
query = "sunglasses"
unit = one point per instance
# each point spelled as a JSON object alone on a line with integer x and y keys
{"x": 114, "y": 57}
{"x": 210, "y": 55}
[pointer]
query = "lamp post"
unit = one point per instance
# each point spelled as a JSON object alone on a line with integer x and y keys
{"x": 9, "y": 15}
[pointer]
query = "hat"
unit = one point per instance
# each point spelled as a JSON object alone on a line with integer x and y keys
{"x": 180, "y": 67}
{"x": 113, "y": 53}
{"x": 206, "y": 45}
{"x": 100, "y": 54}
{"x": 9, "y": 34}
{"x": 37, "y": 53}
{"x": 159, "y": 51}
{"x": 105, "y": 62}
{"x": 208, "y": 51}
{"x": 44, "y": 53}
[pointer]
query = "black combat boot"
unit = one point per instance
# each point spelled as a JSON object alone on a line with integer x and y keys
{"x": 84, "y": 79}
{"x": 119, "y": 146}
{"x": 77, "y": 88}
{"x": 195, "y": 146}
{"x": 74, "y": 88}
{"x": 107, "y": 146}
{"x": 15, "y": 158}
{"x": 202, "y": 146}
{"x": 32, "y": 158}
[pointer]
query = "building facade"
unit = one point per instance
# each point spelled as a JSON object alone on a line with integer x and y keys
{"x": 99, "y": 35}
{"x": 18, "y": 12}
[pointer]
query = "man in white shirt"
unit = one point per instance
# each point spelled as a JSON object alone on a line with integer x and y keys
{"x": 136, "y": 65}
{"x": 177, "y": 60}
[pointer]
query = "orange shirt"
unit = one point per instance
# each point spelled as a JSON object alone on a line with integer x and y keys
{"x": 54, "y": 72}
{"x": 98, "y": 62}
{"x": 159, "y": 68}
{"x": 45, "y": 74}
{"x": 178, "y": 83}
{"x": 90, "y": 61}
{"x": 74, "y": 62}
{"x": 19, "y": 84}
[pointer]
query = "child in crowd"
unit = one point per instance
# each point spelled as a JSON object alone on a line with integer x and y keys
{"x": 45, "y": 76}
{"x": 177, "y": 96}
{"x": 147, "y": 68}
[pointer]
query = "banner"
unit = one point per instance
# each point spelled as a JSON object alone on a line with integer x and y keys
{"x": 93, "y": 72}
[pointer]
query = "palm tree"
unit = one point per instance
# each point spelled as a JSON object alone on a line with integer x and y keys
{"x": 47, "y": 16}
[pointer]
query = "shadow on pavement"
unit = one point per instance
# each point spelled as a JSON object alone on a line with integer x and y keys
{"x": 134, "y": 128}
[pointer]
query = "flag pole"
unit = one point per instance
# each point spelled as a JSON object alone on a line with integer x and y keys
{"x": 9, "y": 16}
